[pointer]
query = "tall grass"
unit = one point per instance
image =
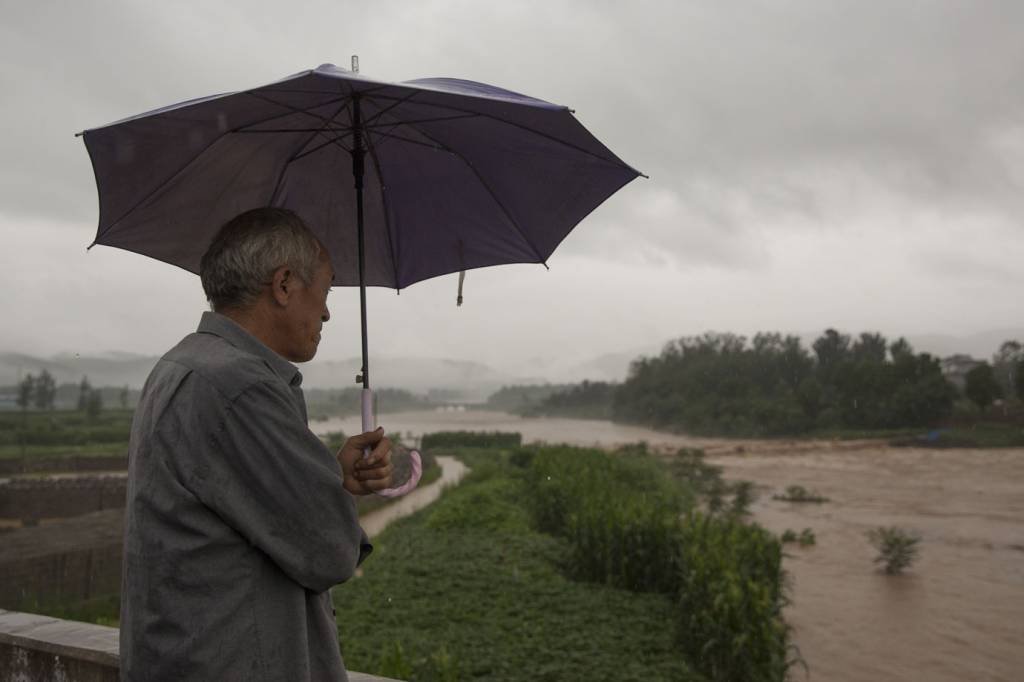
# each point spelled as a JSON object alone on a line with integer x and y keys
{"x": 631, "y": 522}
{"x": 471, "y": 439}
{"x": 730, "y": 600}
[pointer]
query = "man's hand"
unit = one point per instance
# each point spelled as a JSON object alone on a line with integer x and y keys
{"x": 363, "y": 476}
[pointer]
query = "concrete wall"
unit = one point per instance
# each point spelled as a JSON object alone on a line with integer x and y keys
{"x": 43, "y": 649}
{"x": 33, "y": 499}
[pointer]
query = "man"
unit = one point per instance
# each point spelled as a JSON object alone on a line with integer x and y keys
{"x": 238, "y": 518}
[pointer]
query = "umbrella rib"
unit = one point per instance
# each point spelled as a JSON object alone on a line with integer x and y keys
{"x": 494, "y": 197}
{"x": 528, "y": 129}
{"x": 291, "y": 110}
{"x": 384, "y": 203}
{"x": 205, "y": 149}
{"x": 295, "y": 155}
{"x": 429, "y": 120}
{"x": 156, "y": 189}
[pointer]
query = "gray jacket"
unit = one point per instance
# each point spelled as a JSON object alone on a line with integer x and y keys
{"x": 237, "y": 523}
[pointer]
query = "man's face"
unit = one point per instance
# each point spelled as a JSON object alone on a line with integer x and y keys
{"x": 307, "y": 312}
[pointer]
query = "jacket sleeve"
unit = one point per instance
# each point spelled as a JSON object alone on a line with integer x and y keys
{"x": 270, "y": 478}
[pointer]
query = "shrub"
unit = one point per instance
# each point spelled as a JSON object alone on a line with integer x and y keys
{"x": 897, "y": 547}
{"x": 730, "y": 600}
{"x": 807, "y": 538}
{"x": 743, "y": 497}
{"x": 620, "y": 515}
{"x": 798, "y": 493}
{"x": 472, "y": 439}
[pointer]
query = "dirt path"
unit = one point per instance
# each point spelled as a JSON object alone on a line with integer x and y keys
{"x": 452, "y": 471}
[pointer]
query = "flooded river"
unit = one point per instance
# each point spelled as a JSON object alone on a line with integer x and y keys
{"x": 957, "y": 614}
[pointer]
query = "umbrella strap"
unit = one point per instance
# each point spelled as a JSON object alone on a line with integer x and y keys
{"x": 462, "y": 278}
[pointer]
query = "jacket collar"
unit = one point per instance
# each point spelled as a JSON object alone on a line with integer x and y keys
{"x": 239, "y": 337}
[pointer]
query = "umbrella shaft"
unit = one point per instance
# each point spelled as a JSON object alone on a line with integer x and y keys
{"x": 357, "y": 172}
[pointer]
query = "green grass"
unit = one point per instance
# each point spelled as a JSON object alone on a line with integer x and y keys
{"x": 103, "y": 610}
{"x": 981, "y": 435}
{"x": 60, "y": 433}
{"x": 466, "y": 589}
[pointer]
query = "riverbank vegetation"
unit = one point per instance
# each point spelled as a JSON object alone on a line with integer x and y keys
{"x": 770, "y": 385}
{"x": 571, "y": 563}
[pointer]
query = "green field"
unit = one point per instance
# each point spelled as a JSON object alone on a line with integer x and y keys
{"x": 467, "y": 590}
{"x": 59, "y": 433}
{"x": 564, "y": 564}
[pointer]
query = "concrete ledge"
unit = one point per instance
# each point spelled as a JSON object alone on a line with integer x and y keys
{"x": 37, "y": 648}
{"x": 41, "y": 648}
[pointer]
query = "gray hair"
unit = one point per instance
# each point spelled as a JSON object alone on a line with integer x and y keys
{"x": 248, "y": 249}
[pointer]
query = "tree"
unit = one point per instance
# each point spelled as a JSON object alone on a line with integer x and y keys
{"x": 93, "y": 403}
{"x": 981, "y": 386}
{"x": 123, "y": 396}
{"x": 84, "y": 389}
{"x": 26, "y": 389}
{"x": 1020, "y": 380}
{"x": 1006, "y": 365}
{"x": 831, "y": 349}
{"x": 46, "y": 391}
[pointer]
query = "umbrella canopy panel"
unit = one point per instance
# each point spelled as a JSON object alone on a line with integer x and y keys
{"x": 458, "y": 175}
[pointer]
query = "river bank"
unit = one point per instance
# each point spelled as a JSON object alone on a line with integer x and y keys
{"x": 955, "y": 615}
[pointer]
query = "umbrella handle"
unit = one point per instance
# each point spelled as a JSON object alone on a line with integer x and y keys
{"x": 369, "y": 424}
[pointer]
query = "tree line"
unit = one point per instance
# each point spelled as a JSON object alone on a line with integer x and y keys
{"x": 40, "y": 392}
{"x": 770, "y": 384}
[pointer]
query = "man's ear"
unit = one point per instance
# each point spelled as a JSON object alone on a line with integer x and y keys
{"x": 281, "y": 284}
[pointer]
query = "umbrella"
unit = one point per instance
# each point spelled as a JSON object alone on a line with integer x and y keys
{"x": 400, "y": 181}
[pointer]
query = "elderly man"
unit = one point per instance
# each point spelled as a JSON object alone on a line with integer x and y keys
{"x": 239, "y": 519}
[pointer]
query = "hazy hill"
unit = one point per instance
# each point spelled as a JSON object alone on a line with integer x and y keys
{"x": 454, "y": 379}
{"x": 460, "y": 380}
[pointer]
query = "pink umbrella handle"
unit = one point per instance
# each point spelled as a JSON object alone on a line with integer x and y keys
{"x": 369, "y": 424}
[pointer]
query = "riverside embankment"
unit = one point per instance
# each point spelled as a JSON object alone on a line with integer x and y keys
{"x": 955, "y": 615}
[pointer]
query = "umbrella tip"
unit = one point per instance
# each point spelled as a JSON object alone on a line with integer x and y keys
{"x": 355, "y": 63}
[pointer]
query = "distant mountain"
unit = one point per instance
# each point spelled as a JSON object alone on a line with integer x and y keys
{"x": 460, "y": 380}
{"x": 107, "y": 369}
{"x": 455, "y": 379}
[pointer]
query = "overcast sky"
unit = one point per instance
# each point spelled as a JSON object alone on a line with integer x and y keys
{"x": 851, "y": 164}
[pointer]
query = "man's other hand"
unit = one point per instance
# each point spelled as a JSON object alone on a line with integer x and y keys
{"x": 364, "y": 476}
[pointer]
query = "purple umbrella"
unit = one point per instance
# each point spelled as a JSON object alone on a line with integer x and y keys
{"x": 442, "y": 175}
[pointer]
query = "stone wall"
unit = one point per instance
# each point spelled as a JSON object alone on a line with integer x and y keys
{"x": 41, "y": 649}
{"x": 34, "y": 499}
{"x": 28, "y": 465}
{"x": 63, "y": 561}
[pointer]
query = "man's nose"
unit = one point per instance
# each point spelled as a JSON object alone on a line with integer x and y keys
{"x": 326, "y": 316}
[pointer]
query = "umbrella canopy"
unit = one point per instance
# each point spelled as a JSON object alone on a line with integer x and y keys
{"x": 458, "y": 175}
{"x": 401, "y": 182}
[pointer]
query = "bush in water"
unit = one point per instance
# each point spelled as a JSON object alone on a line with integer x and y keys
{"x": 897, "y": 547}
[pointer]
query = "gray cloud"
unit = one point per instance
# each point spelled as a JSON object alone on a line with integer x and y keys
{"x": 784, "y": 141}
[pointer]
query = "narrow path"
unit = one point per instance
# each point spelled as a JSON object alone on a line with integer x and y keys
{"x": 452, "y": 471}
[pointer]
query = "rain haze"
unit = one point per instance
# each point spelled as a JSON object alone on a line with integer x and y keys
{"x": 808, "y": 165}
{"x": 843, "y": 164}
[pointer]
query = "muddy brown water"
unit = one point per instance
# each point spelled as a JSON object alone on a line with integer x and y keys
{"x": 957, "y": 614}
